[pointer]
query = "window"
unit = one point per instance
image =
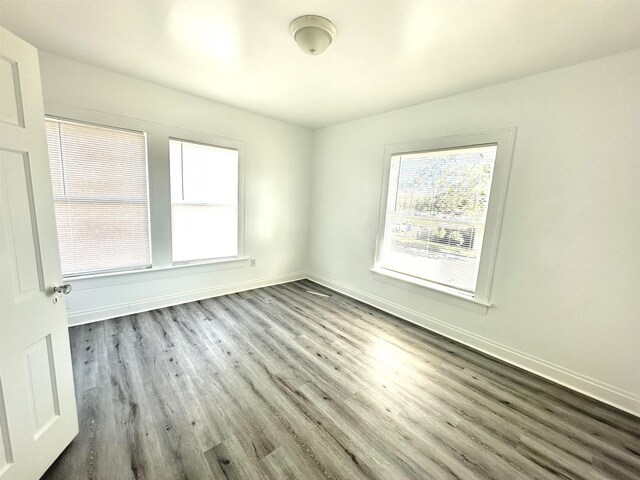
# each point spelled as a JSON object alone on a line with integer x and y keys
{"x": 204, "y": 201}
{"x": 435, "y": 222}
{"x": 100, "y": 194}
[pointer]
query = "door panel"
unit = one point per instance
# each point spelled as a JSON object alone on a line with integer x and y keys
{"x": 17, "y": 215}
{"x": 43, "y": 392}
{"x": 10, "y": 105}
{"x": 38, "y": 415}
{"x": 5, "y": 445}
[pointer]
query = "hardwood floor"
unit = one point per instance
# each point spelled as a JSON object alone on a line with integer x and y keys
{"x": 280, "y": 383}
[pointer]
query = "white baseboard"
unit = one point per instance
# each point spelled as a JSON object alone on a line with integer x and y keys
{"x": 591, "y": 387}
{"x": 130, "y": 308}
{"x": 601, "y": 391}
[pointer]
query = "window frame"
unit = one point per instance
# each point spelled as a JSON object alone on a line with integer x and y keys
{"x": 227, "y": 144}
{"x": 504, "y": 140}
{"x": 158, "y": 134}
{"x": 116, "y": 270}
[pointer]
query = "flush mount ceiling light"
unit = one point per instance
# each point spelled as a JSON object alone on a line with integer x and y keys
{"x": 312, "y": 33}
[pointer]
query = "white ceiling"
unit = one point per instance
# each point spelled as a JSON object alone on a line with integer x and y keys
{"x": 388, "y": 53}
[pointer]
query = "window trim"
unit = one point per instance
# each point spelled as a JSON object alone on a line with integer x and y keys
{"x": 504, "y": 139}
{"x": 116, "y": 270}
{"x": 227, "y": 144}
{"x": 158, "y": 134}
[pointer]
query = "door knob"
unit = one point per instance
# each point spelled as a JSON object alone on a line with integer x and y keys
{"x": 66, "y": 289}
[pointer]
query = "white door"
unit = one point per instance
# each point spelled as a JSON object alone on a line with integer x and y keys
{"x": 37, "y": 405}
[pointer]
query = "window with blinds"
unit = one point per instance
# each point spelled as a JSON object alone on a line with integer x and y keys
{"x": 100, "y": 194}
{"x": 204, "y": 201}
{"x": 436, "y": 211}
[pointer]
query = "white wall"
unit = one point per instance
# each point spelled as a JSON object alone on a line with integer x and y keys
{"x": 277, "y": 182}
{"x": 565, "y": 290}
{"x": 564, "y": 302}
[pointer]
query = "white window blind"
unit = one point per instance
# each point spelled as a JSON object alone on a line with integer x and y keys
{"x": 204, "y": 201}
{"x": 99, "y": 178}
{"x": 436, "y": 212}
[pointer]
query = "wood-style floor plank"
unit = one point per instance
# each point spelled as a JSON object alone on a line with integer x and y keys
{"x": 283, "y": 383}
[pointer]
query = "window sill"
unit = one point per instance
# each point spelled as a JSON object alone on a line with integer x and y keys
{"x": 433, "y": 290}
{"x": 195, "y": 263}
{"x": 96, "y": 280}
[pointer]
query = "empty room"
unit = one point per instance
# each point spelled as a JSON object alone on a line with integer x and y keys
{"x": 319, "y": 239}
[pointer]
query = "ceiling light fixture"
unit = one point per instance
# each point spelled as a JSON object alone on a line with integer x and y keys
{"x": 312, "y": 33}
